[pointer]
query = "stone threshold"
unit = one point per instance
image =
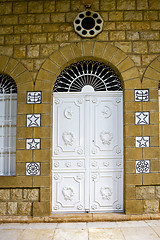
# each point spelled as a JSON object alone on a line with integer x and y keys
{"x": 77, "y": 217}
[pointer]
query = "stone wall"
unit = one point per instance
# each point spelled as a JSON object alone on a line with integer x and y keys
{"x": 150, "y": 196}
{"x": 18, "y": 201}
{"x": 30, "y": 31}
{"x": 37, "y": 40}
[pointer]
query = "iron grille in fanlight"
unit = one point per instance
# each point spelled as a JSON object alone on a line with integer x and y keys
{"x": 96, "y": 74}
{"x": 7, "y": 84}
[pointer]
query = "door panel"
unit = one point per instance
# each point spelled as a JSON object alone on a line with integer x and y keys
{"x": 87, "y": 152}
{"x": 68, "y": 126}
{"x": 106, "y": 190}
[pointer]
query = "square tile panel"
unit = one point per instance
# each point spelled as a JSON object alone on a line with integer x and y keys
{"x": 142, "y": 166}
{"x": 142, "y": 118}
{"x": 33, "y": 120}
{"x": 141, "y": 95}
{"x": 33, "y": 168}
{"x": 33, "y": 143}
{"x": 34, "y": 97}
{"x": 142, "y": 142}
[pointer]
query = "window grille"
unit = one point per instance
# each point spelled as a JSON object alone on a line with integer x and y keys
{"x": 80, "y": 74}
{"x": 8, "y": 112}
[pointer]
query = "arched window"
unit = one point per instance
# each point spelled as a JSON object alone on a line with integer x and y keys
{"x": 8, "y": 112}
{"x": 93, "y": 73}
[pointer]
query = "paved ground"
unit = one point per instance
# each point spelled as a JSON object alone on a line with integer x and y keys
{"x": 131, "y": 230}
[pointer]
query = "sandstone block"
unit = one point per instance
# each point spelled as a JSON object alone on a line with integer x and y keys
{"x": 4, "y": 195}
{"x": 12, "y": 208}
{"x": 103, "y": 36}
{"x": 133, "y": 35}
{"x": 51, "y": 27}
{"x": 5, "y": 8}
{"x": 140, "y": 25}
{"x": 66, "y": 27}
{"x": 24, "y": 208}
{"x": 125, "y": 5}
{"x": 20, "y": 7}
{"x": 76, "y": 5}
{"x": 10, "y": 20}
{"x": 16, "y": 194}
{"x": 134, "y": 206}
{"x": 42, "y": 18}
{"x": 35, "y": 28}
{"x": 21, "y": 29}
{"x": 26, "y": 18}
{"x": 132, "y": 15}
{"x": 107, "y": 5}
{"x": 12, "y": 39}
{"x": 63, "y": 6}
{"x": 124, "y": 46}
{"x": 71, "y": 16}
{"x": 115, "y": 16}
{"x": 117, "y": 36}
{"x": 154, "y": 46}
{"x": 28, "y": 63}
{"x": 6, "y": 29}
{"x": 57, "y": 17}
{"x": 136, "y": 59}
{"x": 151, "y": 206}
{"x": 142, "y": 5}
{"x": 31, "y": 195}
{"x": 33, "y": 51}
{"x": 3, "y": 208}
{"x": 158, "y": 191}
{"x": 150, "y": 15}
{"x": 41, "y": 208}
{"x": 133, "y": 179}
{"x": 154, "y": 4}
{"x": 39, "y": 38}
{"x": 35, "y": 7}
{"x": 49, "y": 6}
{"x": 25, "y": 39}
{"x": 61, "y": 37}
{"x": 145, "y": 192}
{"x": 123, "y": 25}
{"x": 2, "y": 40}
{"x": 44, "y": 194}
{"x": 109, "y": 26}
{"x": 140, "y": 47}
{"x": 48, "y": 49}
{"x": 155, "y": 25}
{"x": 19, "y": 51}
{"x": 148, "y": 35}
{"x": 152, "y": 178}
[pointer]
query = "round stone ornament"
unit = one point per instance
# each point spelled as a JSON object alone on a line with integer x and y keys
{"x": 88, "y": 24}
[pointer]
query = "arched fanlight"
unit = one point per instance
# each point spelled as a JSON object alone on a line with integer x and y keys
{"x": 93, "y": 73}
{"x": 7, "y": 84}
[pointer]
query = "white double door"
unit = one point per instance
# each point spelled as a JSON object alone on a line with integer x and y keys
{"x": 87, "y": 165}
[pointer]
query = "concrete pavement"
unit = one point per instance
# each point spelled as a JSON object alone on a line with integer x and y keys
{"x": 126, "y": 230}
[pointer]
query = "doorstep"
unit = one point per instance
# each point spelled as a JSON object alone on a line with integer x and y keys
{"x": 77, "y": 217}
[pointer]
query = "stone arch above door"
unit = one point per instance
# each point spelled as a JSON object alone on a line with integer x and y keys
{"x": 99, "y": 51}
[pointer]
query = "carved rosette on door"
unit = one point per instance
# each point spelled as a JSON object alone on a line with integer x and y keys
{"x": 87, "y": 152}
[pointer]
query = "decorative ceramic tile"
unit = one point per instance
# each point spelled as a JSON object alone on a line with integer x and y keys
{"x": 33, "y": 120}
{"x": 34, "y": 97}
{"x": 142, "y": 166}
{"x": 142, "y": 118}
{"x": 33, "y": 168}
{"x": 33, "y": 144}
{"x": 141, "y": 95}
{"x": 142, "y": 142}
